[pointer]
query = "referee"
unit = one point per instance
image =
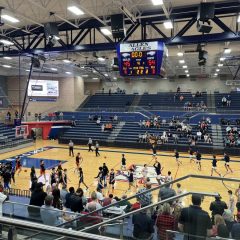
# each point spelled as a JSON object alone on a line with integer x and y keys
{"x": 71, "y": 145}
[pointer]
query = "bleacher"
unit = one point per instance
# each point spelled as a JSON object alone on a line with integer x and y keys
{"x": 171, "y": 99}
{"x": 235, "y": 100}
{"x": 8, "y": 138}
{"x": 109, "y": 101}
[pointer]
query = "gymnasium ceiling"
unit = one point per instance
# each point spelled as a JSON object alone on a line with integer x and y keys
{"x": 33, "y": 13}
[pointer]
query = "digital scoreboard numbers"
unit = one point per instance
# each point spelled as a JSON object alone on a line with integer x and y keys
{"x": 140, "y": 59}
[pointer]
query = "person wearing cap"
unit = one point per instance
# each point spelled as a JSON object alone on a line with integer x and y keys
{"x": 217, "y": 207}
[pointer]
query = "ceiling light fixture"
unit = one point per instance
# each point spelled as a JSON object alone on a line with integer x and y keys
{"x": 238, "y": 20}
{"x": 8, "y": 58}
{"x": 227, "y": 50}
{"x": 10, "y": 18}
{"x": 66, "y": 60}
{"x": 6, "y": 66}
{"x": 115, "y": 78}
{"x": 84, "y": 75}
{"x": 95, "y": 78}
{"x": 188, "y": 75}
{"x": 168, "y": 24}
{"x": 186, "y": 71}
{"x": 180, "y": 54}
{"x": 6, "y": 42}
{"x": 182, "y": 61}
{"x": 222, "y": 59}
{"x": 184, "y": 66}
{"x": 54, "y": 69}
{"x": 75, "y": 10}
{"x": 68, "y": 72}
{"x": 101, "y": 59}
{"x": 106, "y": 75}
{"x": 217, "y": 70}
{"x": 215, "y": 74}
{"x": 220, "y": 65}
{"x": 106, "y": 31}
{"x": 157, "y": 2}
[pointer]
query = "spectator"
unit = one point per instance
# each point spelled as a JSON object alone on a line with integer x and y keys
{"x": 224, "y": 101}
{"x": 165, "y": 221}
{"x": 229, "y": 100}
{"x": 109, "y": 200}
{"x": 235, "y": 233}
{"x": 37, "y": 199}
{"x": 220, "y": 227}
{"x": 49, "y": 215}
{"x": 61, "y": 115}
{"x": 63, "y": 193}
{"x": 125, "y": 203}
{"x": 77, "y": 201}
{"x": 231, "y": 201}
{"x": 229, "y": 219}
{"x": 94, "y": 204}
{"x": 217, "y": 207}
{"x": 57, "y": 202}
{"x": 194, "y": 221}
{"x": 142, "y": 226}
{"x": 166, "y": 192}
{"x": 145, "y": 199}
{"x": 68, "y": 197}
{"x": 3, "y": 198}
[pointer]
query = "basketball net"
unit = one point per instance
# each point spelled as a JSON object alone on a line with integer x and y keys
{"x": 21, "y": 131}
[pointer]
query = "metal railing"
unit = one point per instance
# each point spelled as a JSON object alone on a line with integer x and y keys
{"x": 153, "y": 189}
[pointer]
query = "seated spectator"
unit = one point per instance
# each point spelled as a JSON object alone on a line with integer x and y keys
{"x": 68, "y": 197}
{"x": 100, "y": 197}
{"x": 57, "y": 202}
{"x": 125, "y": 203}
{"x": 50, "y": 215}
{"x": 217, "y": 207}
{"x": 229, "y": 219}
{"x": 165, "y": 221}
{"x": 224, "y": 101}
{"x": 94, "y": 204}
{"x": 109, "y": 200}
{"x": 115, "y": 118}
{"x": 166, "y": 192}
{"x": 98, "y": 121}
{"x": 145, "y": 199}
{"x": 142, "y": 226}
{"x": 63, "y": 193}
{"x": 229, "y": 100}
{"x": 235, "y": 233}
{"x": 181, "y": 98}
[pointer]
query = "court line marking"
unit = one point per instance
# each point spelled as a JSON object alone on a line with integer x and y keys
{"x": 141, "y": 153}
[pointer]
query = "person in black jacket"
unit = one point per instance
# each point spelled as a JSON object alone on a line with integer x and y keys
{"x": 76, "y": 201}
{"x": 68, "y": 197}
{"x": 217, "y": 207}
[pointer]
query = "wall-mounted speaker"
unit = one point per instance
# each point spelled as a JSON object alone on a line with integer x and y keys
{"x": 117, "y": 25}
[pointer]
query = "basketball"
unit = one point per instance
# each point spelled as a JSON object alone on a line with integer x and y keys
{"x": 25, "y": 170}
{"x": 105, "y": 157}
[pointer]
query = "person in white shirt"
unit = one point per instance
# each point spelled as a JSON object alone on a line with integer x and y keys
{"x": 90, "y": 142}
{"x": 3, "y": 198}
{"x": 103, "y": 127}
{"x": 144, "y": 173}
{"x": 94, "y": 204}
{"x": 71, "y": 145}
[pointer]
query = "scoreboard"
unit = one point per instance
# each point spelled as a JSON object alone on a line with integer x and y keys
{"x": 140, "y": 59}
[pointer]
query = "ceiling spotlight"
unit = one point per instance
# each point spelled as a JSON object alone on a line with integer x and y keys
{"x": 115, "y": 78}
{"x": 82, "y": 67}
{"x": 180, "y": 54}
{"x": 238, "y": 20}
{"x": 68, "y": 72}
{"x": 95, "y": 78}
{"x": 106, "y": 31}
{"x": 6, "y": 42}
{"x": 188, "y": 75}
{"x": 54, "y": 69}
{"x": 84, "y": 75}
{"x": 227, "y": 50}
{"x": 106, "y": 75}
{"x": 6, "y": 66}
{"x": 186, "y": 71}
{"x": 94, "y": 71}
{"x": 184, "y": 66}
{"x": 182, "y": 61}
{"x": 77, "y": 11}
{"x": 220, "y": 65}
{"x": 222, "y": 59}
{"x": 168, "y": 24}
{"x": 10, "y": 18}
{"x": 66, "y": 60}
{"x": 215, "y": 74}
{"x": 217, "y": 70}
{"x": 27, "y": 70}
{"x": 101, "y": 59}
{"x": 8, "y": 58}
{"x": 157, "y": 2}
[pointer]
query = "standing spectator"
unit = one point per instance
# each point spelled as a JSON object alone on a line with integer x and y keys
{"x": 165, "y": 221}
{"x": 63, "y": 193}
{"x": 77, "y": 201}
{"x": 231, "y": 202}
{"x": 57, "y": 202}
{"x": 71, "y": 145}
{"x": 142, "y": 226}
{"x": 166, "y": 192}
{"x": 224, "y": 101}
{"x": 217, "y": 207}
{"x": 3, "y": 198}
{"x": 194, "y": 221}
{"x": 68, "y": 197}
{"x": 145, "y": 199}
{"x": 61, "y": 115}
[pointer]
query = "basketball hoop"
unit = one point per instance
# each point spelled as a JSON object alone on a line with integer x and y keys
{"x": 21, "y": 131}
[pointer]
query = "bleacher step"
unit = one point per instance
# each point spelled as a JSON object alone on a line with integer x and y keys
{"x": 217, "y": 136}
{"x": 115, "y": 132}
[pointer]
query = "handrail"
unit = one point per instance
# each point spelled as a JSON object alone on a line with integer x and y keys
{"x": 148, "y": 207}
{"x": 51, "y": 230}
{"x": 153, "y": 189}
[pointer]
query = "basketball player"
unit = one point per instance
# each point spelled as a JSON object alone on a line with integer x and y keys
{"x": 144, "y": 173}
{"x": 42, "y": 170}
{"x": 71, "y": 145}
{"x": 214, "y": 166}
{"x": 65, "y": 177}
{"x": 18, "y": 165}
{"x": 191, "y": 157}
{"x": 79, "y": 161}
{"x": 198, "y": 160}
{"x": 154, "y": 150}
{"x": 97, "y": 149}
{"x": 227, "y": 162}
{"x": 105, "y": 172}
{"x": 81, "y": 179}
{"x": 158, "y": 170}
{"x": 13, "y": 171}
{"x": 123, "y": 166}
{"x": 169, "y": 177}
{"x": 130, "y": 179}
{"x": 177, "y": 158}
{"x": 90, "y": 142}
{"x": 112, "y": 179}
{"x": 53, "y": 177}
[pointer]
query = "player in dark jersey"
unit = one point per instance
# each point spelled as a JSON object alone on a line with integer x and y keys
{"x": 191, "y": 155}
{"x": 112, "y": 179}
{"x": 65, "y": 177}
{"x": 42, "y": 170}
{"x": 18, "y": 165}
{"x": 227, "y": 162}
{"x": 53, "y": 177}
{"x": 214, "y": 166}
{"x": 198, "y": 160}
{"x": 123, "y": 166}
{"x": 176, "y": 155}
{"x": 81, "y": 179}
{"x": 158, "y": 170}
{"x": 130, "y": 179}
{"x": 79, "y": 161}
